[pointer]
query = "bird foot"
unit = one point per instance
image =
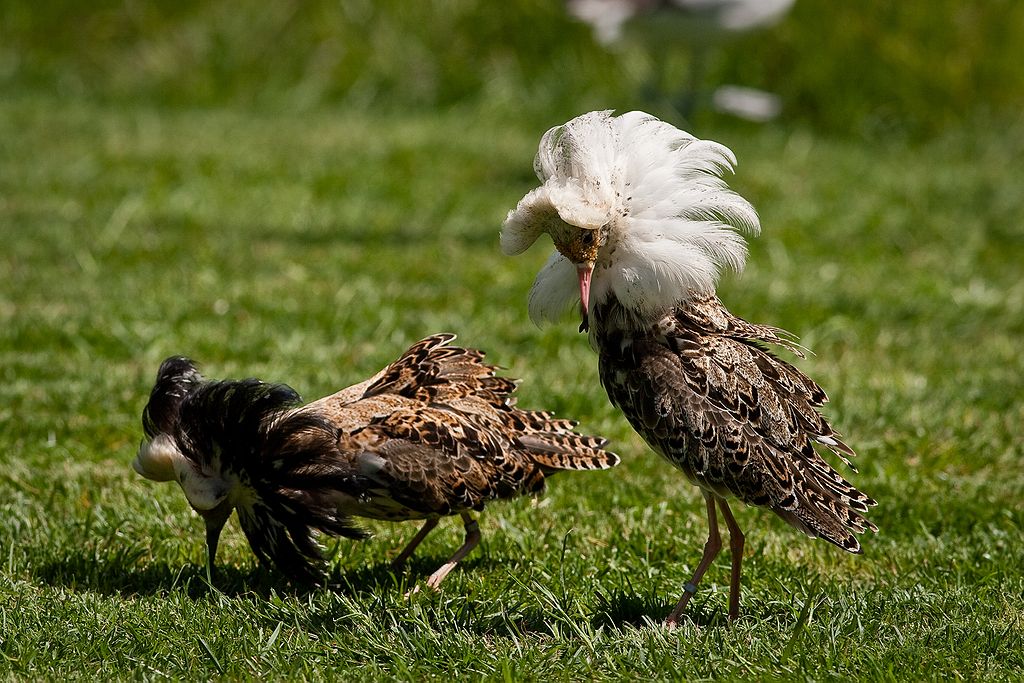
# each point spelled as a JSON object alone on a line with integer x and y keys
{"x": 433, "y": 583}
{"x": 437, "y": 577}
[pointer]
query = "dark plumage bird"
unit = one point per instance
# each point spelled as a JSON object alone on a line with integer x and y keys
{"x": 435, "y": 433}
{"x": 642, "y": 224}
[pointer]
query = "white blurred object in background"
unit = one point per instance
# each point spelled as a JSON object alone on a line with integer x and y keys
{"x": 696, "y": 25}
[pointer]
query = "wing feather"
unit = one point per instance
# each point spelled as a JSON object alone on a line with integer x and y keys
{"x": 737, "y": 420}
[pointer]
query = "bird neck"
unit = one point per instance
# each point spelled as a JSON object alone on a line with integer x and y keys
{"x": 611, "y": 319}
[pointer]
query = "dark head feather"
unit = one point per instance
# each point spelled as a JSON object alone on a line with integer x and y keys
{"x": 230, "y": 418}
{"x": 175, "y": 379}
{"x": 250, "y": 431}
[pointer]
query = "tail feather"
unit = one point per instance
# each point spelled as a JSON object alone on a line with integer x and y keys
{"x": 828, "y": 482}
{"x": 567, "y": 451}
{"x": 821, "y": 516}
{"x": 554, "y": 444}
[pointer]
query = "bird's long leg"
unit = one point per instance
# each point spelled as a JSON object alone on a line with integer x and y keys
{"x": 711, "y": 550}
{"x": 407, "y": 552}
{"x": 736, "y": 549}
{"x": 472, "y": 539}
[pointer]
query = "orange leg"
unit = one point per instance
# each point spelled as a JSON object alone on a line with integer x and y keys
{"x": 472, "y": 539}
{"x": 736, "y": 549}
{"x": 711, "y": 550}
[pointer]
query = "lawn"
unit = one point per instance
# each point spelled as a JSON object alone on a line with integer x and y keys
{"x": 311, "y": 246}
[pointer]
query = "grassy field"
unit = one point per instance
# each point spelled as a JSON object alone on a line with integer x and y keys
{"x": 312, "y": 249}
{"x": 311, "y": 245}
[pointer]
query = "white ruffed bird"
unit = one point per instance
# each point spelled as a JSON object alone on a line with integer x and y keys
{"x": 643, "y": 225}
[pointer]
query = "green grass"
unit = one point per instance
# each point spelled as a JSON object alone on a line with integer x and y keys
{"x": 871, "y": 68}
{"x": 313, "y": 248}
{"x": 297, "y": 191}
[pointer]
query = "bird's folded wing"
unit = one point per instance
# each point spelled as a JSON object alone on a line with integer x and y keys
{"x": 432, "y": 461}
{"x": 710, "y": 406}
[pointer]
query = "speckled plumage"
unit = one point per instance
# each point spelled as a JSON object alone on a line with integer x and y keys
{"x": 642, "y": 221}
{"x": 435, "y": 433}
{"x": 703, "y": 391}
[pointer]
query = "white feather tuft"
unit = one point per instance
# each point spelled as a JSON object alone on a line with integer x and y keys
{"x": 673, "y": 223}
{"x": 554, "y": 290}
{"x": 161, "y": 460}
{"x": 156, "y": 459}
{"x": 535, "y": 214}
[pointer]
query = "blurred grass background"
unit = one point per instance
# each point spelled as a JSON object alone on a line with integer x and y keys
{"x": 873, "y": 68}
{"x": 299, "y": 190}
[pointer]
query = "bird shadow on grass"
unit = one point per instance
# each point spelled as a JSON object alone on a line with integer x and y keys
{"x": 125, "y": 575}
{"x": 628, "y": 608}
{"x": 83, "y": 571}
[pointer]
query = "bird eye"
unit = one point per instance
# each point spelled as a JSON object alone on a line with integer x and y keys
{"x": 587, "y": 238}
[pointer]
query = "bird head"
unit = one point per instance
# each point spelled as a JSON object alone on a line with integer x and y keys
{"x": 161, "y": 456}
{"x": 208, "y": 493}
{"x": 242, "y": 445}
{"x": 636, "y": 209}
{"x": 171, "y": 451}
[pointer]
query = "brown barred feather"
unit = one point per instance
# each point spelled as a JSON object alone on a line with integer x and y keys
{"x": 449, "y": 437}
{"x": 738, "y": 421}
{"x": 435, "y": 433}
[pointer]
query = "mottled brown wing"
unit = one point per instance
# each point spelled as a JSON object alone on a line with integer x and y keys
{"x": 435, "y": 461}
{"x": 738, "y": 421}
{"x": 709, "y": 315}
{"x": 434, "y": 373}
{"x": 436, "y": 432}
{"x": 431, "y": 370}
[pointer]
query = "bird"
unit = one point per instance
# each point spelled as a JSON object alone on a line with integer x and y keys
{"x": 698, "y": 26}
{"x": 643, "y": 225}
{"x": 434, "y": 434}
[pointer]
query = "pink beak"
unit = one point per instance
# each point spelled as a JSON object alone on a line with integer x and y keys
{"x": 584, "y": 271}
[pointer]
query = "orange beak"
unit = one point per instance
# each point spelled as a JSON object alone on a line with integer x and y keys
{"x": 584, "y": 271}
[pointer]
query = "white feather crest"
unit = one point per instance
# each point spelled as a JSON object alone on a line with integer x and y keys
{"x": 674, "y": 224}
